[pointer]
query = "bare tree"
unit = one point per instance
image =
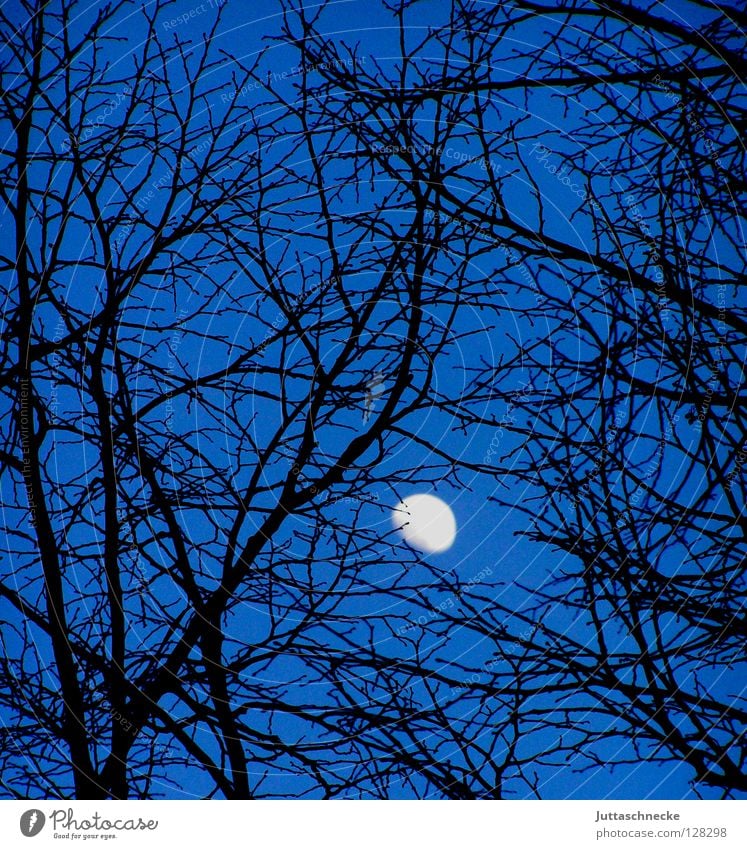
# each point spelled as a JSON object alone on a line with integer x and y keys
{"x": 246, "y": 311}
{"x": 620, "y": 414}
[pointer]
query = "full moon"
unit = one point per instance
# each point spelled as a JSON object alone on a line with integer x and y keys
{"x": 425, "y": 522}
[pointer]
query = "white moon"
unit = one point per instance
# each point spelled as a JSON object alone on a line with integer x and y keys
{"x": 425, "y": 522}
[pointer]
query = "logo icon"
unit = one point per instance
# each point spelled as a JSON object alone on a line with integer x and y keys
{"x": 32, "y": 822}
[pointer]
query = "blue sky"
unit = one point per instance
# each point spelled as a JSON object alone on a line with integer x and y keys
{"x": 490, "y": 541}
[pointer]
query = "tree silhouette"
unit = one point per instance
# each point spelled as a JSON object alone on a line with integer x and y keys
{"x": 256, "y": 296}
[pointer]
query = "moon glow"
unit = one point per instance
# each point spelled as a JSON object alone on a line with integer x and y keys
{"x": 425, "y": 522}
